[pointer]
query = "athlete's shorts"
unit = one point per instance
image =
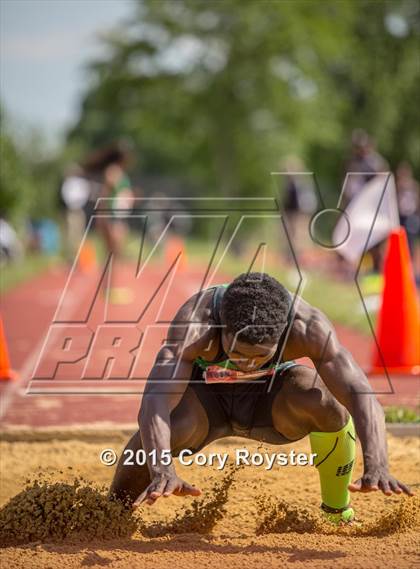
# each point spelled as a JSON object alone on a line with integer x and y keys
{"x": 237, "y": 409}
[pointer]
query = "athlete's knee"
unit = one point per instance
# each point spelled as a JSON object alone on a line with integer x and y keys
{"x": 310, "y": 398}
{"x": 187, "y": 431}
{"x": 302, "y": 389}
{"x": 189, "y": 423}
{"x": 331, "y": 415}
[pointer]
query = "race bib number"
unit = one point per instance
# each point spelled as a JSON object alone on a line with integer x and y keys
{"x": 217, "y": 374}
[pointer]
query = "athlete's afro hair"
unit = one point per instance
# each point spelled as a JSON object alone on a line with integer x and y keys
{"x": 260, "y": 304}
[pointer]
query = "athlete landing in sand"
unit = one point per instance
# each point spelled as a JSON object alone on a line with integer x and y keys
{"x": 227, "y": 368}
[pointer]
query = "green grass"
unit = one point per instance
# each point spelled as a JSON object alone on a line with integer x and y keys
{"x": 401, "y": 415}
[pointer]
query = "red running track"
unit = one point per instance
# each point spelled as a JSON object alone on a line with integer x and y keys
{"x": 29, "y": 310}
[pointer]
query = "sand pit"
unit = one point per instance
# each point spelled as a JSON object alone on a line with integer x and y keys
{"x": 246, "y": 517}
{"x": 56, "y": 511}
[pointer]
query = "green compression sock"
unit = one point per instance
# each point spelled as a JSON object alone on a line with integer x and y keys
{"x": 335, "y": 459}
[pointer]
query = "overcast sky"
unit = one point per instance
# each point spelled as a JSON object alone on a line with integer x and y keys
{"x": 44, "y": 45}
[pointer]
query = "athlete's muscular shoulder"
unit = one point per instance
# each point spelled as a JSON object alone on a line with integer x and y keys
{"x": 191, "y": 330}
{"x": 311, "y": 333}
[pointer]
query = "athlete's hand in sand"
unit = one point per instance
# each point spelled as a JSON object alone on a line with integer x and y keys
{"x": 379, "y": 479}
{"x": 165, "y": 485}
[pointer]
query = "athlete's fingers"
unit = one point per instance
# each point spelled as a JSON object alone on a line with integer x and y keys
{"x": 141, "y": 498}
{"x": 385, "y": 487}
{"x": 144, "y": 495}
{"x": 394, "y": 485}
{"x": 151, "y": 498}
{"x": 149, "y": 495}
{"x": 187, "y": 490}
{"x": 171, "y": 487}
{"x": 157, "y": 490}
{"x": 157, "y": 486}
{"x": 365, "y": 484}
{"x": 370, "y": 483}
{"x": 355, "y": 486}
{"x": 191, "y": 490}
{"x": 362, "y": 485}
{"x": 369, "y": 487}
{"x": 406, "y": 489}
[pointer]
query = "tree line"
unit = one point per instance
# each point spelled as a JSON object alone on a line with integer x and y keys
{"x": 217, "y": 93}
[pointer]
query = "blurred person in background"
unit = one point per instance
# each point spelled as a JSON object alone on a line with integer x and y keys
{"x": 408, "y": 196}
{"x": 364, "y": 163}
{"x": 43, "y": 236}
{"x": 107, "y": 167}
{"x": 299, "y": 202}
{"x": 11, "y": 249}
{"x": 168, "y": 214}
{"x": 75, "y": 191}
{"x": 170, "y": 222}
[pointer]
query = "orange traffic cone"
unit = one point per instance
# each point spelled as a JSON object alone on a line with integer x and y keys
{"x": 398, "y": 325}
{"x": 6, "y": 372}
{"x": 175, "y": 247}
{"x": 87, "y": 257}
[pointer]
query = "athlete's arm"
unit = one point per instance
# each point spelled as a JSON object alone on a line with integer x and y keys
{"x": 164, "y": 389}
{"x": 349, "y": 385}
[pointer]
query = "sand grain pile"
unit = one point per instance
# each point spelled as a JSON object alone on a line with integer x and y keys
{"x": 282, "y": 517}
{"x": 202, "y": 515}
{"x": 46, "y": 511}
{"x": 402, "y": 518}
